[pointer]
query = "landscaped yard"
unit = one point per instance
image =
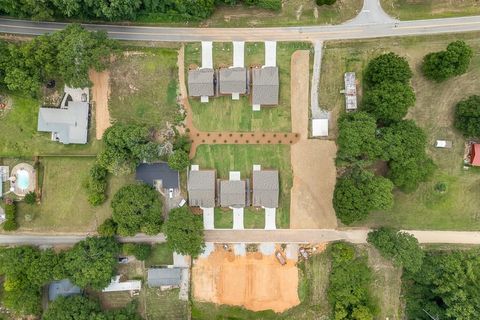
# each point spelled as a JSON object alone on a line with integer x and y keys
{"x": 144, "y": 87}
{"x": 425, "y": 208}
{"x": 225, "y": 158}
{"x": 64, "y": 206}
{"x": 429, "y": 9}
{"x": 225, "y": 114}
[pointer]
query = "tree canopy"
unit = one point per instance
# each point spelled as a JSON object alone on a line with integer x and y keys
{"x": 358, "y": 192}
{"x": 453, "y": 61}
{"x": 401, "y": 247}
{"x": 387, "y": 67}
{"x": 137, "y": 207}
{"x": 184, "y": 232}
{"x": 467, "y": 116}
{"x": 389, "y": 101}
{"x": 178, "y": 160}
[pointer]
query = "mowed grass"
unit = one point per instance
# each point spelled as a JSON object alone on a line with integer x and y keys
{"x": 253, "y": 218}
{"x": 223, "y": 113}
{"x": 19, "y": 136}
{"x": 144, "y": 87}
{"x": 162, "y": 305}
{"x": 64, "y": 206}
{"x": 429, "y": 9}
{"x": 225, "y": 158}
{"x": 161, "y": 255}
{"x": 425, "y": 208}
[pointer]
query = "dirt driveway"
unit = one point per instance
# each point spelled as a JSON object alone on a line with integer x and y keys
{"x": 254, "y": 281}
{"x": 100, "y": 93}
{"x": 314, "y": 172}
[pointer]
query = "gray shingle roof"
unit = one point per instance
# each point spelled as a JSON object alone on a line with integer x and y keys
{"x": 70, "y": 124}
{"x": 232, "y": 193}
{"x": 150, "y": 172}
{"x": 200, "y": 82}
{"x": 233, "y": 80}
{"x": 265, "y": 188}
{"x": 157, "y": 277}
{"x": 62, "y": 288}
{"x": 201, "y": 188}
{"x": 265, "y": 86}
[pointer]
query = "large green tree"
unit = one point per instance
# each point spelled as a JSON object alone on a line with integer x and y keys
{"x": 389, "y": 101}
{"x": 467, "y": 116}
{"x": 408, "y": 173}
{"x": 92, "y": 262}
{"x": 178, "y": 160}
{"x": 388, "y": 67}
{"x": 137, "y": 208}
{"x": 184, "y": 232}
{"x": 358, "y": 192}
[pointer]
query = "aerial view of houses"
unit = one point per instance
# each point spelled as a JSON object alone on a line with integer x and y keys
{"x": 267, "y": 159}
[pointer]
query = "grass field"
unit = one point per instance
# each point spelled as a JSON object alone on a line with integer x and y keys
{"x": 19, "y": 136}
{"x": 144, "y": 87}
{"x": 429, "y": 9}
{"x": 241, "y": 158}
{"x": 161, "y": 255}
{"x": 425, "y": 209}
{"x": 225, "y": 114}
{"x": 162, "y": 305}
{"x": 64, "y": 206}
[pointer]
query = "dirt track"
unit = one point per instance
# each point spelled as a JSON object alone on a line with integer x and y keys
{"x": 312, "y": 160}
{"x": 253, "y": 281}
{"x": 100, "y": 93}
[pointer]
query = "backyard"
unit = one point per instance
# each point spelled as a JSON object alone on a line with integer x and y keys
{"x": 457, "y": 208}
{"x": 224, "y": 158}
{"x": 430, "y": 9}
{"x": 223, "y": 113}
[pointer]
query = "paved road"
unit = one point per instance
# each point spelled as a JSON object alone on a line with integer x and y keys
{"x": 258, "y": 236}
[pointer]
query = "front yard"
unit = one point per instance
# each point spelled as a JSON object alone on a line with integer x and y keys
{"x": 430, "y": 9}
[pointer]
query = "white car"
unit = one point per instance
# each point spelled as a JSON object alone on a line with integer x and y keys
{"x": 170, "y": 193}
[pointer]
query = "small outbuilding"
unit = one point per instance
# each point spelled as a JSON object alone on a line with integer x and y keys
{"x": 201, "y": 83}
{"x": 201, "y": 188}
{"x": 265, "y": 87}
{"x": 62, "y": 288}
{"x": 116, "y": 285}
{"x": 350, "y": 91}
{"x": 475, "y": 154}
{"x": 159, "y": 277}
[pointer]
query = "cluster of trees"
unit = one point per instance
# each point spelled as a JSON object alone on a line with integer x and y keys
{"x": 10, "y": 223}
{"x": 349, "y": 284}
{"x": 81, "y": 307}
{"x": 379, "y": 132}
{"x": 467, "y": 116}
{"x": 96, "y": 185}
{"x": 446, "y": 286}
{"x": 66, "y": 54}
{"x": 169, "y": 10}
{"x": 141, "y": 251}
{"x": 184, "y": 232}
{"x": 90, "y": 263}
{"x": 442, "y": 65}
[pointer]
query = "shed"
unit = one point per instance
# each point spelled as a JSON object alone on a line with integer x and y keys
{"x": 152, "y": 173}
{"x": 475, "y": 154}
{"x": 350, "y": 91}
{"x": 116, "y": 285}
{"x": 232, "y": 193}
{"x": 201, "y": 82}
{"x": 265, "y": 188}
{"x": 265, "y": 86}
{"x": 320, "y": 127}
{"x": 233, "y": 80}
{"x": 4, "y": 173}
{"x": 157, "y": 277}
{"x": 62, "y": 288}
{"x": 201, "y": 188}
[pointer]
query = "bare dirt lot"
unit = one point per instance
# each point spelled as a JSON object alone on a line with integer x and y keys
{"x": 100, "y": 93}
{"x": 312, "y": 160}
{"x": 254, "y": 281}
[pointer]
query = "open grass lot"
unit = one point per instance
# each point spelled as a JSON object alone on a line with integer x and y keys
{"x": 225, "y": 114}
{"x": 19, "y": 136}
{"x": 425, "y": 209}
{"x": 225, "y": 158}
{"x": 429, "y": 9}
{"x": 144, "y": 87}
{"x": 161, "y": 255}
{"x": 64, "y": 206}
{"x": 162, "y": 305}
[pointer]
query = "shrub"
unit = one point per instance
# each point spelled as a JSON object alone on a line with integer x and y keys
{"x": 275, "y": 5}
{"x": 141, "y": 251}
{"x": 178, "y": 160}
{"x": 467, "y": 116}
{"x": 325, "y": 2}
{"x": 97, "y": 185}
{"x": 387, "y": 67}
{"x": 108, "y": 228}
{"x": 30, "y": 198}
{"x": 10, "y": 223}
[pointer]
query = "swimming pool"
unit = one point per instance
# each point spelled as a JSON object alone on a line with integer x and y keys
{"x": 23, "y": 179}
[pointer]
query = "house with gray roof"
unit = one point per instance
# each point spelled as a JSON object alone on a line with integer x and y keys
{"x": 233, "y": 193}
{"x": 159, "y": 277}
{"x": 201, "y": 188}
{"x": 233, "y": 81}
{"x": 62, "y": 288}
{"x": 265, "y": 188}
{"x": 201, "y": 82}
{"x": 265, "y": 86}
{"x": 158, "y": 175}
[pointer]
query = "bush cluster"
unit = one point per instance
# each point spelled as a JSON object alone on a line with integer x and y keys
{"x": 10, "y": 223}
{"x": 467, "y": 116}
{"x": 141, "y": 251}
{"x": 97, "y": 185}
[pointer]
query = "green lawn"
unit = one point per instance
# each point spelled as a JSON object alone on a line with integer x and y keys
{"x": 64, "y": 206}
{"x": 241, "y": 158}
{"x": 425, "y": 209}
{"x": 144, "y": 87}
{"x": 19, "y": 136}
{"x": 162, "y": 305}
{"x": 161, "y": 255}
{"x": 253, "y": 218}
{"x": 429, "y": 9}
{"x": 225, "y": 114}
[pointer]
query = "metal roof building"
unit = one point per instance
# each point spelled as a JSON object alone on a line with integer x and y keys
{"x": 157, "y": 277}
{"x": 201, "y": 188}
{"x": 265, "y": 86}
{"x": 201, "y": 82}
{"x": 62, "y": 288}
{"x": 350, "y": 91}
{"x": 150, "y": 173}
{"x": 232, "y": 193}
{"x": 232, "y": 80}
{"x": 265, "y": 188}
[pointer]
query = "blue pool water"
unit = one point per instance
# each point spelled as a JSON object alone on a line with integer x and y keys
{"x": 23, "y": 179}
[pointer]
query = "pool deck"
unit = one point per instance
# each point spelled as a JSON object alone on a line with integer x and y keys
{"x": 32, "y": 181}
